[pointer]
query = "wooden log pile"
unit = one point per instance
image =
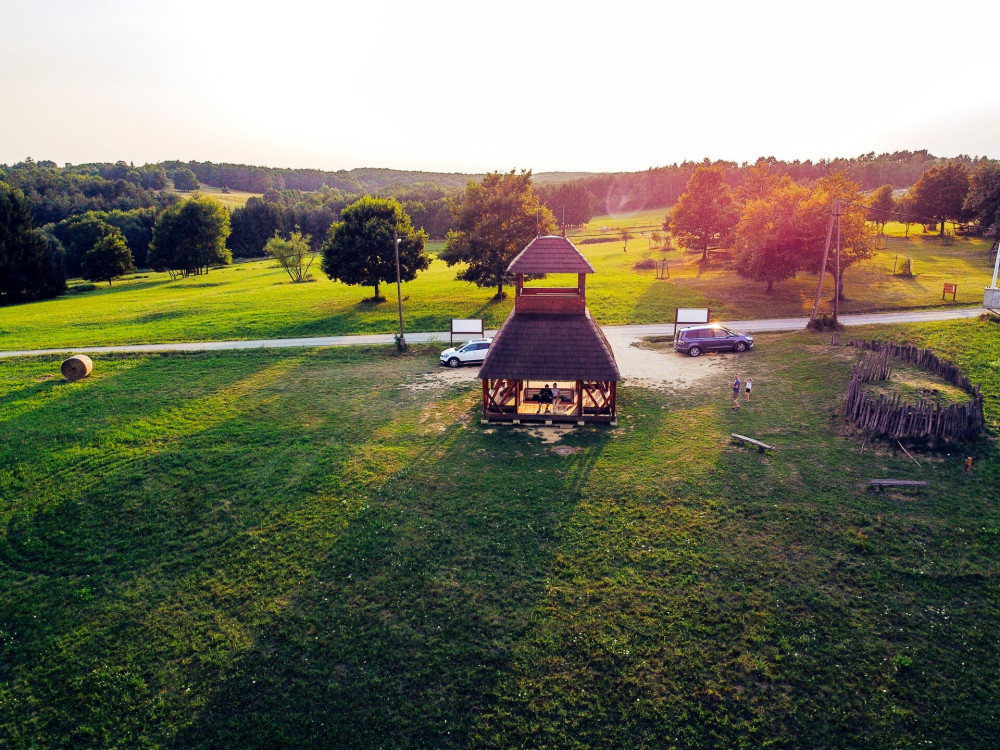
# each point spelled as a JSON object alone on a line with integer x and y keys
{"x": 893, "y": 417}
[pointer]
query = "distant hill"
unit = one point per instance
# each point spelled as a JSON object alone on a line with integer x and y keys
{"x": 374, "y": 180}
{"x": 257, "y": 179}
{"x": 557, "y": 178}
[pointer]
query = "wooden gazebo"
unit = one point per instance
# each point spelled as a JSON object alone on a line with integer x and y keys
{"x": 550, "y": 338}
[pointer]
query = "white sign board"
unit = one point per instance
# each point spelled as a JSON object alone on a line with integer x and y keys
{"x": 689, "y": 315}
{"x": 991, "y": 298}
{"x": 685, "y": 316}
{"x": 467, "y": 327}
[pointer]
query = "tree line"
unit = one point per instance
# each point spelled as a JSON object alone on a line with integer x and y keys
{"x": 773, "y": 223}
{"x": 581, "y": 199}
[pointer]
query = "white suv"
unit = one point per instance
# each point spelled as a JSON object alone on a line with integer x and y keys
{"x": 470, "y": 353}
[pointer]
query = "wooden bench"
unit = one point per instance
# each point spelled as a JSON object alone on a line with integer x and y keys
{"x": 880, "y": 484}
{"x": 761, "y": 447}
{"x": 532, "y": 394}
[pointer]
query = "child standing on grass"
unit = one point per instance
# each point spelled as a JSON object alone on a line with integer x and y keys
{"x": 747, "y": 387}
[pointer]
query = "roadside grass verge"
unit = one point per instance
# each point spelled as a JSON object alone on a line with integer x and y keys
{"x": 326, "y": 549}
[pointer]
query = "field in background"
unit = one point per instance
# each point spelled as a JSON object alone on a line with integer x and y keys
{"x": 326, "y": 548}
{"x": 256, "y": 299}
{"x": 232, "y": 199}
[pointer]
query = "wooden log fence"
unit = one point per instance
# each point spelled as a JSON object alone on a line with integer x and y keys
{"x": 891, "y": 416}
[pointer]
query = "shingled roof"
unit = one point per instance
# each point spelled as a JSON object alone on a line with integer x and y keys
{"x": 553, "y": 347}
{"x": 550, "y": 254}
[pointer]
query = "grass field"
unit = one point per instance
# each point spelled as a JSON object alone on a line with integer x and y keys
{"x": 327, "y": 549}
{"x": 257, "y": 300}
{"x": 232, "y": 199}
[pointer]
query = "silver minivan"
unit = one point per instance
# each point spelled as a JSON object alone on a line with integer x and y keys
{"x": 694, "y": 340}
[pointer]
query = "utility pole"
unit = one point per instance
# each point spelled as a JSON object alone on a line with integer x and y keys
{"x": 826, "y": 253}
{"x": 836, "y": 290}
{"x": 400, "y": 339}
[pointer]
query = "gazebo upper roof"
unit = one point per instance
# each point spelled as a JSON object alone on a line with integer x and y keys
{"x": 550, "y": 254}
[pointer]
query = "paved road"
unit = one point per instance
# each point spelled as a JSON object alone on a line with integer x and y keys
{"x": 615, "y": 334}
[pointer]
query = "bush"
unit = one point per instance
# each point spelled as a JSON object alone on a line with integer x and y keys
{"x": 78, "y": 288}
{"x": 824, "y": 322}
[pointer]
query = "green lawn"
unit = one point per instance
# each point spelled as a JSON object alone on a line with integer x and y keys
{"x": 231, "y": 200}
{"x": 257, "y": 300}
{"x": 327, "y": 549}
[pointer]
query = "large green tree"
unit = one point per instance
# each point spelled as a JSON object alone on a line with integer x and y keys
{"x": 705, "y": 213}
{"x": 881, "y": 205}
{"x": 191, "y": 236}
{"x": 109, "y": 259}
{"x": 31, "y": 264}
{"x": 940, "y": 193}
{"x": 184, "y": 179}
{"x": 79, "y": 234}
{"x": 495, "y": 221}
{"x": 983, "y": 201}
{"x": 360, "y": 248}
{"x": 906, "y": 212}
{"x": 772, "y": 235}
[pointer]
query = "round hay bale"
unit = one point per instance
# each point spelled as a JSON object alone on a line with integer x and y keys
{"x": 77, "y": 367}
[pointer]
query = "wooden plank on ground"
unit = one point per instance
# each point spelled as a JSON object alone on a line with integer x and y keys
{"x": 881, "y": 484}
{"x": 761, "y": 447}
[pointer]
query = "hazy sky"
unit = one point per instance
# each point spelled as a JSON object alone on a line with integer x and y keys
{"x": 471, "y": 87}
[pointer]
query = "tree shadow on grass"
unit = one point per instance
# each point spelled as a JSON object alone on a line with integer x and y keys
{"x": 203, "y": 538}
{"x": 124, "y": 287}
{"x": 88, "y": 503}
{"x": 490, "y": 306}
{"x": 182, "y": 284}
{"x": 409, "y": 619}
{"x": 33, "y": 390}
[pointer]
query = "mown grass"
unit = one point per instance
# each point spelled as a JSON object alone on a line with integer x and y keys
{"x": 232, "y": 199}
{"x": 257, "y": 300}
{"x": 268, "y": 549}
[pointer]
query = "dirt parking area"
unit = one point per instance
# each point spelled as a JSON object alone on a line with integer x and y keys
{"x": 640, "y": 365}
{"x": 661, "y": 368}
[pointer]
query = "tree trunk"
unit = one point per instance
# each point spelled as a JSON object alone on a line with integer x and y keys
{"x": 942, "y": 228}
{"x": 770, "y": 286}
{"x": 500, "y": 289}
{"x": 376, "y": 290}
